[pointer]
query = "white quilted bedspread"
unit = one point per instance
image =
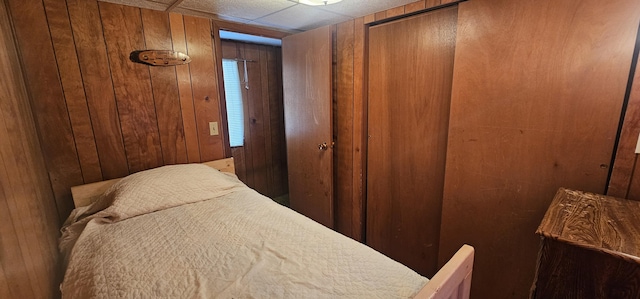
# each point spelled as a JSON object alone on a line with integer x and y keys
{"x": 189, "y": 231}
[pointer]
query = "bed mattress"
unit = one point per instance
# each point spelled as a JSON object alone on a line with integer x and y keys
{"x": 189, "y": 231}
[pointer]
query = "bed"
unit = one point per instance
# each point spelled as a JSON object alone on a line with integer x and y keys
{"x": 196, "y": 231}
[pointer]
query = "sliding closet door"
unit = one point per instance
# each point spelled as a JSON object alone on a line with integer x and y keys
{"x": 306, "y": 63}
{"x": 410, "y": 75}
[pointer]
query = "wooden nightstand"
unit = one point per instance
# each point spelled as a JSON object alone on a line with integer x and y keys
{"x": 590, "y": 248}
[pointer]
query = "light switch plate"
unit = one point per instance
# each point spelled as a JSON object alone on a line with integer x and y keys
{"x": 213, "y": 128}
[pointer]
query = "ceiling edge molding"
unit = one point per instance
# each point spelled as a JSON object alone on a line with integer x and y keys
{"x": 139, "y": 4}
{"x": 174, "y": 5}
{"x": 232, "y": 24}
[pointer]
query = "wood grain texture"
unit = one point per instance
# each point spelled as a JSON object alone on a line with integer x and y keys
{"x": 262, "y": 159}
{"x": 132, "y": 85}
{"x": 590, "y": 247}
{"x": 568, "y": 272}
{"x": 405, "y": 9}
{"x": 278, "y": 141}
{"x": 343, "y": 128}
{"x": 238, "y": 153}
{"x": 396, "y": 11}
{"x": 307, "y": 87}
{"x": 624, "y": 182}
{"x": 603, "y": 223}
{"x": 47, "y": 97}
{"x": 98, "y": 86}
{"x": 518, "y": 126}
{"x": 359, "y": 130}
{"x": 381, "y": 15}
{"x": 75, "y": 99}
{"x": 369, "y": 18}
{"x": 102, "y": 116}
{"x": 266, "y": 115}
{"x": 224, "y": 127}
{"x": 204, "y": 85}
{"x": 183, "y": 75}
{"x": 253, "y": 30}
{"x": 408, "y": 115}
{"x": 28, "y": 218}
{"x": 255, "y": 118}
{"x": 416, "y": 6}
{"x": 157, "y": 35}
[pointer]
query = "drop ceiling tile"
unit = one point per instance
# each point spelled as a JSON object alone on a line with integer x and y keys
{"x": 301, "y": 17}
{"x": 243, "y": 9}
{"x": 358, "y": 8}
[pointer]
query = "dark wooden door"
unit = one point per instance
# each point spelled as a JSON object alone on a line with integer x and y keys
{"x": 307, "y": 109}
{"x": 410, "y": 75}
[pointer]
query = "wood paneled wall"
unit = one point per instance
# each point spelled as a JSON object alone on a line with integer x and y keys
{"x": 262, "y": 162}
{"x": 536, "y": 102}
{"x": 402, "y": 10}
{"x": 350, "y": 113}
{"x": 349, "y": 130}
{"x": 99, "y": 115}
{"x": 625, "y": 178}
{"x": 28, "y": 220}
{"x": 537, "y": 94}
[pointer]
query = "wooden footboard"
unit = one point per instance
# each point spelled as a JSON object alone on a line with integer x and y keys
{"x": 453, "y": 281}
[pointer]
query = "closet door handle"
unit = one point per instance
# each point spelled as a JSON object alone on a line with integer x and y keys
{"x": 323, "y": 146}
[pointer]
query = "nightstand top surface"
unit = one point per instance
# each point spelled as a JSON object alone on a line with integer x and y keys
{"x": 603, "y": 223}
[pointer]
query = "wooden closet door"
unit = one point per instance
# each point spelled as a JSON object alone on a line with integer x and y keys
{"x": 307, "y": 73}
{"x": 410, "y": 75}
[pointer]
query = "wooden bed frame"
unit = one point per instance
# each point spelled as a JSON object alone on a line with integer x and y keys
{"x": 453, "y": 281}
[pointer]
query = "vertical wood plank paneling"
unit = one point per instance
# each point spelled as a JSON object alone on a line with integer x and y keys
{"x": 634, "y": 183}
{"x": 405, "y": 9}
{"x": 369, "y": 18}
{"x": 132, "y": 86}
{"x": 359, "y": 129}
{"x": 89, "y": 101}
{"x": 343, "y": 120}
{"x": 256, "y": 119}
{"x": 547, "y": 119}
{"x": 262, "y": 157}
{"x": 239, "y": 162}
{"x": 396, "y": 11}
{"x": 408, "y": 116}
{"x": 278, "y": 146}
{"x": 625, "y": 178}
{"x": 50, "y": 110}
{"x": 98, "y": 86}
{"x": 157, "y": 35}
{"x": 184, "y": 88}
{"x": 28, "y": 219}
{"x": 204, "y": 85}
{"x": 434, "y": 3}
{"x": 381, "y": 15}
{"x": 217, "y": 56}
{"x": 248, "y": 145}
{"x": 69, "y": 69}
{"x": 415, "y": 6}
{"x": 266, "y": 119}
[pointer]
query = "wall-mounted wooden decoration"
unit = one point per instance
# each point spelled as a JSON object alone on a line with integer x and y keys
{"x": 159, "y": 57}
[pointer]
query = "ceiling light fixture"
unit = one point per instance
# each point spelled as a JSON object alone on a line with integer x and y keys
{"x": 318, "y": 2}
